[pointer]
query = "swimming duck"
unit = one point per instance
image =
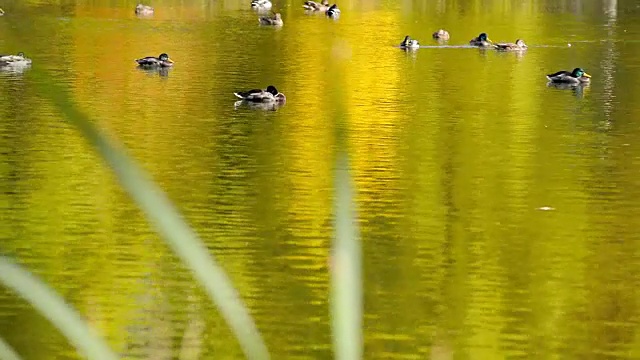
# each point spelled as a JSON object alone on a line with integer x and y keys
{"x": 315, "y": 6}
{"x": 261, "y": 4}
{"x": 481, "y": 41}
{"x": 517, "y": 46}
{"x": 577, "y": 76}
{"x": 333, "y": 11}
{"x": 276, "y": 20}
{"x": 271, "y": 94}
{"x": 161, "y": 61}
{"x": 14, "y": 60}
{"x": 409, "y": 43}
{"x": 144, "y": 9}
{"x": 441, "y": 34}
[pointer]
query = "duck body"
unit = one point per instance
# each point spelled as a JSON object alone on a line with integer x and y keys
{"x": 409, "y": 43}
{"x": 441, "y": 34}
{"x": 519, "y": 45}
{"x": 144, "y": 9}
{"x": 315, "y": 6}
{"x": 333, "y": 11}
{"x": 261, "y": 4}
{"x": 481, "y": 41}
{"x": 577, "y": 76}
{"x": 276, "y": 20}
{"x": 151, "y": 61}
{"x": 270, "y": 94}
{"x": 14, "y": 60}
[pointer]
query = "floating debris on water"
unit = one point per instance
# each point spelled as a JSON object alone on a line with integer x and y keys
{"x": 546, "y": 208}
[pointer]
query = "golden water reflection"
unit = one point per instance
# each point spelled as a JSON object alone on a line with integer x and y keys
{"x": 497, "y": 215}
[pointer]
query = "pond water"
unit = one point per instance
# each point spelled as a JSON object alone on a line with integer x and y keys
{"x": 499, "y": 216}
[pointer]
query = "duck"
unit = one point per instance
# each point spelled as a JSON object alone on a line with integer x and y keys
{"x": 441, "y": 34}
{"x": 261, "y": 4}
{"x": 517, "y": 46}
{"x": 311, "y": 5}
{"x": 276, "y": 20}
{"x": 481, "y": 41}
{"x": 577, "y": 76}
{"x": 333, "y": 11}
{"x": 150, "y": 61}
{"x": 409, "y": 43}
{"x": 144, "y": 9}
{"x": 270, "y": 94}
{"x": 14, "y": 60}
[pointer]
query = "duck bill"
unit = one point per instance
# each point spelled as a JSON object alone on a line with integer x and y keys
{"x": 169, "y": 60}
{"x": 586, "y": 75}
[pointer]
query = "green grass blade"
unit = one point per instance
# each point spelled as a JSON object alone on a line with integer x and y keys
{"x": 346, "y": 289}
{"x": 167, "y": 221}
{"x": 53, "y": 307}
{"x": 7, "y": 352}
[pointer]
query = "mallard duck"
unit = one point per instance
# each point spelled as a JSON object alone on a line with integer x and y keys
{"x": 161, "y": 61}
{"x": 314, "y": 6}
{"x": 441, "y": 34}
{"x": 333, "y": 11}
{"x": 409, "y": 43}
{"x": 276, "y": 20}
{"x": 271, "y": 94}
{"x": 519, "y": 45}
{"x": 261, "y": 4}
{"x": 481, "y": 41}
{"x": 577, "y": 76}
{"x": 14, "y": 60}
{"x": 144, "y": 9}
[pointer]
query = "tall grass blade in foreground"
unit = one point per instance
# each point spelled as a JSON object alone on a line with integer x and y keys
{"x": 346, "y": 289}
{"x": 168, "y": 222}
{"x": 53, "y": 307}
{"x": 7, "y": 352}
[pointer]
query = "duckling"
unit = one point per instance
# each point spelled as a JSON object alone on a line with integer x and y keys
{"x": 441, "y": 34}
{"x": 261, "y": 4}
{"x": 481, "y": 41}
{"x": 14, "y": 60}
{"x": 161, "y": 61}
{"x": 144, "y": 9}
{"x": 577, "y": 76}
{"x": 276, "y": 20}
{"x": 311, "y": 5}
{"x": 409, "y": 43}
{"x": 271, "y": 94}
{"x": 518, "y": 46}
{"x": 333, "y": 11}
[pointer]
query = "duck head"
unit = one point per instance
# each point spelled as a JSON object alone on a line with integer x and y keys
{"x": 521, "y": 43}
{"x": 165, "y": 57}
{"x": 579, "y": 72}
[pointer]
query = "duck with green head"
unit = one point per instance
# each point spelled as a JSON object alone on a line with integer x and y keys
{"x": 481, "y": 41}
{"x": 270, "y": 94}
{"x": 577, "y": 76}
{"x": 151, "y": 61}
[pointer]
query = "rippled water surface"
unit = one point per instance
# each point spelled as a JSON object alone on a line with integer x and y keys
{"x": 499, "y": 216}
